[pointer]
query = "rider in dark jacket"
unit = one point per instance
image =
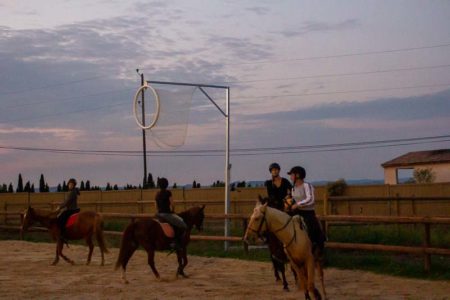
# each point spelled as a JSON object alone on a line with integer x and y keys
{"x": 166, "y": 210}
{"x": 68, "y": 207}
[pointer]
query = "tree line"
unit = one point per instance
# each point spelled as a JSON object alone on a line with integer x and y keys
{"x": 150, "y": 183}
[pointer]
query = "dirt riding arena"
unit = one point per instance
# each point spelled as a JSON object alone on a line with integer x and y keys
{"x": 26, "y": 273}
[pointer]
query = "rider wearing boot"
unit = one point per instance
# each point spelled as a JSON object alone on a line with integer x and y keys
{"x": 277, "y": 188}
{"x": 166, "y": 210}
{"x": 68, "y": 207}
{"x": 303, "y": 205}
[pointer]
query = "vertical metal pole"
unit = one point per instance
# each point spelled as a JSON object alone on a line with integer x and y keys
{"x": 227, "y": 166}
{"x": 144, "y": 182}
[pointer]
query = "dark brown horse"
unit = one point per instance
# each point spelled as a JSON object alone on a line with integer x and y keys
{"x": 276, "y": 249}
{"x": 149, "y": 234}
{"x": 87, "y": 224}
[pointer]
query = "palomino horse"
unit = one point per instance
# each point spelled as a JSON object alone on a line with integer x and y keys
{"x": 87, "y": 224}
{"x": 150, "y": 235}
{"x": 297, "y": 246}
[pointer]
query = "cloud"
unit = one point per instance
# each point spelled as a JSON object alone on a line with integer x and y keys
{"x": 429, "y": 106}
{"x": 258, "y": 10}
{"x": 377, "y": 124}
{"x": 317, "y": 26}
{"x": 63, "y": 133}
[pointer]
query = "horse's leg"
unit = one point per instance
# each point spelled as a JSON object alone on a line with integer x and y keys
{"x": 98, "y": 229}
{"x": 182, "y": 262}
{"x": 91, "y": 248}
{"x": 275, "y": 268}
{"x": 319, "y": 268}
{"x": 128, "y": 251}
{"x": 58, "y": 241}
{"x": 60, "y": 248}
{"x": 151, "y": 261}
{"x": 302, "y": 280}
{"x": 298, "y": 272}
{"x": 283, "y": 271}
{"x": 319, "y": 259}
{"x": 310, "y": 271}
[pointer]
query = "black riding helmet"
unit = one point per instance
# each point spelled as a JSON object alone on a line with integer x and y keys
{"x": 163, "y": 183}
{"x": 300, "y": 172}
{"x": 274, "y": 166}
{"x": 73, "y": 180}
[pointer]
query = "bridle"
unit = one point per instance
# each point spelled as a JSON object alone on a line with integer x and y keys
{"x": 264, "y": 220}
{"x": 258, "y": 231}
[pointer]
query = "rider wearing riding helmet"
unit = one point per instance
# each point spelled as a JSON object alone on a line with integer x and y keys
{"x": 166, "y": 210}
{"x": 303, "y": 204}
{"x": 277, "y": 187}
{"x": 68, "y": 207}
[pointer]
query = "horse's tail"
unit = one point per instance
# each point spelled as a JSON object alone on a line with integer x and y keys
{"x": 128, "y": 245}
{"x": 99, "y": 234}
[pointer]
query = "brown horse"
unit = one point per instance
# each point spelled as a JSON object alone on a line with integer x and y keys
{"x": 149, "y": 234}
{"x": 297, "y": 246}
{"x": 87, "y": 224}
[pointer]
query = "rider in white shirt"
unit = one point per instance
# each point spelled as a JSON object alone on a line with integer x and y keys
{"x": 303, "y": 204}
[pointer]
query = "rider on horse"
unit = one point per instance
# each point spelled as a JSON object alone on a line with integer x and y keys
{"x": 277, "y": 188}
{"x": 302, "y": 203}
{"x": 68, "y": 207}
{"x": 166, "y": 211}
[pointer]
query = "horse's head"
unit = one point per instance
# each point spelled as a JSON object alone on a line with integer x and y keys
{"x": 28, "y": 219}
{"x": 257, "y": 224}
{"x": 199, "y": 217}
{"x": 194, "y": 217}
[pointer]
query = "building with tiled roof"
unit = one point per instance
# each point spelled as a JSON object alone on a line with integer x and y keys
{"x": 436, "y": 160}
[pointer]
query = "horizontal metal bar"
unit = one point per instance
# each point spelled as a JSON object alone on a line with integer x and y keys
{"x": 189, "y": 84}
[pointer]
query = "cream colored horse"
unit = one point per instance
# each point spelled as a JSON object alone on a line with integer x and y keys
{"x": 297, "y": 246}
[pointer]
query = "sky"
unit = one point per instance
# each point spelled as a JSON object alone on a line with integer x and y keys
{"x": 301, "y": 73}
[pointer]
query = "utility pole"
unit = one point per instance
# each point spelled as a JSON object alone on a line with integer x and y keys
{"x": 144, "y": 144}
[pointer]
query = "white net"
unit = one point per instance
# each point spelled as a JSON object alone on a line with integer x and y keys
{"x": 171, "y": 127}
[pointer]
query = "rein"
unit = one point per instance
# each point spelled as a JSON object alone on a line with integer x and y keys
{"x": 258, "y": 231}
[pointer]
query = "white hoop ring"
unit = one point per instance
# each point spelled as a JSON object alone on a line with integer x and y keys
{"x": 155, "y": 118}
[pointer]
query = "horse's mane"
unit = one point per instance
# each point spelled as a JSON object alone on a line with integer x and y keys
{"x": 188, "y": 213}
{"x": 44, "y": 212}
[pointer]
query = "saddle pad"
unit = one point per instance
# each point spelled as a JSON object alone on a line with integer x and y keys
{"x": 71, "y": 220}
{"x": 167, "y": 229}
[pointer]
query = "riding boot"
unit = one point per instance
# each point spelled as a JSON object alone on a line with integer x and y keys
{"x": 177, "y": 242}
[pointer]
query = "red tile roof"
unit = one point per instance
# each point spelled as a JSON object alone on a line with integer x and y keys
{"x": 420, "y": 157}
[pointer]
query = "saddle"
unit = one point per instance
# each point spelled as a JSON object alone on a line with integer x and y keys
{"x": 72, "y": 219}
{"x": 166, "y": 228}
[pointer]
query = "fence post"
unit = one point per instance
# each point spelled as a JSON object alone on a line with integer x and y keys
{"x": 325, "y": 213}
{"x": 427, "y": 244}
{"x": 6, "y": 212}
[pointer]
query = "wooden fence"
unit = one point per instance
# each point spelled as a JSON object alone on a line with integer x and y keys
{"x": 426, "y": 249}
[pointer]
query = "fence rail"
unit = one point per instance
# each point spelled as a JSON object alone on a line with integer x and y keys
{"x": 426, "y": 250}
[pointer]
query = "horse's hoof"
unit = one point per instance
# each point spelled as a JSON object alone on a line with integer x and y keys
{"x": 286, "y": 289}
{"x": 125, "y": 281}
{"x": 54, "y": 263}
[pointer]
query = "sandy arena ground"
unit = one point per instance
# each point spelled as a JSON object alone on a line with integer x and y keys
{"x": 26, "y": 273}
